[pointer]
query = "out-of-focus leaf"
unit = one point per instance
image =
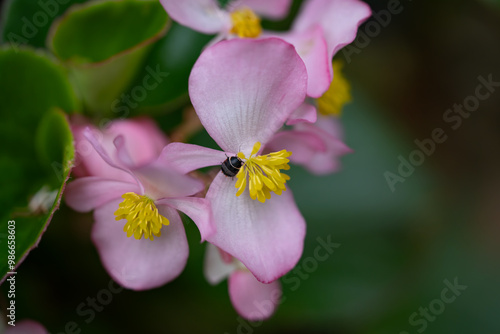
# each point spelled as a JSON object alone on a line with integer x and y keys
{"x": 27, "y": 22}
{"x": 31, "y": 222}
{"x": 52, "y": 141}
{"x": 103, "y": 44}
{"x": 493, "y": 3}
{"x": 360, "y": 190}
{"x": 37, "y": 145}
{"x": 172, "y": 59}
{"x": 31, "y": 83}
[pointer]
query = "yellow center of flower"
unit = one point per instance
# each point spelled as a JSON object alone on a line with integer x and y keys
{"x": 246, "y": 24}
{"x": 339, "y": 93}
{"x": 142, "y": 216}
{"x": 263, "y": 173}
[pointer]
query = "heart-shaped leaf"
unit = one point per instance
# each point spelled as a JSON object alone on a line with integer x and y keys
{"x": 37, "y": 147}
{"x": 164, "y": 77}
{"x": 103, "y": 45}
{"x": 27, "y": 22}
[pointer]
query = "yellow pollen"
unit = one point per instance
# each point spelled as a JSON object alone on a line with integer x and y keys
{"x": 142, "y": 216}
{"x": 246, "y": 24}
{"x": 263, "y": 173}
{"x": 339, "y": 93}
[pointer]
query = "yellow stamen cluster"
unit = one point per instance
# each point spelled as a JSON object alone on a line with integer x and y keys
{"x": 263, "y": 173}
{"x": 142, "y": 216}
{"x": 246, "y": 24}
{"x": 339, "y": 93}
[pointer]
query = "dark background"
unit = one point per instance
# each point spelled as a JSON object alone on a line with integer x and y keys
{"x": 396, "y": 248}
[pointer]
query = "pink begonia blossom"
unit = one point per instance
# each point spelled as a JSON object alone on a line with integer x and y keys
{"x": 243, "y": 91}
{"x": 317, "y": 141}
{"x": 317, "y": 146}
{"x": 321, "y": 29}
{"x": 145, "y": 204}
{"x": 206, "y": 15}
{"x": 25, "y": 327}
{"x": 144, "y": 143}
{"x": 252, "y": 299}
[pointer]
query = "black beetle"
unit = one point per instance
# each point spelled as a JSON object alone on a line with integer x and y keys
{"x": 231, "y": 166}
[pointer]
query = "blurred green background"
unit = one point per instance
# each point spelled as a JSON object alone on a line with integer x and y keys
{"x": 397, "y": 248}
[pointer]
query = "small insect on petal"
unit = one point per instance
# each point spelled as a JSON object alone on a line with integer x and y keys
{"x": 231, "y": 166}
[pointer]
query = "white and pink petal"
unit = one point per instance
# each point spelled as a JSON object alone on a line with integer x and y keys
{"x": 244, "y": 90}
{"x": 318, "y": 147}
{"x": 266, "y": 237}
{"x": 216, "y": 268}
{"x": 201, "y": 15}
{"x": 311, "y": 46}
{"x": 198, "y": 209}
{"x": 140, "y": 138}
{"x": 140, "y": 264}
{"x": 90, "y": 192}
{"x": 304, "y": 145}
{"x": 188, "y": 157}
{"x": 340, "y": 20}
{"x": 161, "y": 181}
{"x": 119, "y": 171}
{"x": 252, "y": 299}
{"x": 306, "y": 113}
{"x": 274, "y": 9}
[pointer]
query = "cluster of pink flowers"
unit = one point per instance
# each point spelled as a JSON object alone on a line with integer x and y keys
{"x": 245, "y": 87}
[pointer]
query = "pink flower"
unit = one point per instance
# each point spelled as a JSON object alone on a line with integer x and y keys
{"x": 145, "y": 203}
{"x": 317, "y": 143}
{"x": 252, "y": 299}
{"x": 26, "y": 327}
{"x": 243, "y": 91}
{"x": 144, "y": 143}
{"x": 317, "y": 147}
{"x": 321, "y": 29}
{"x": 339, "y": 20}
{"x": 239, "y": 19}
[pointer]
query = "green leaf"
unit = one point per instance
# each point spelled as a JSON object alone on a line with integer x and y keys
{"x": 103, "y": 44}
{"x": 27, "y": 22}
{"x": 493, "y": 3}
{"x": 30, "y": 84}
{"x": 31, "y": 220}
{"x": 173, "y": 57}
{"x": 37, "y": 145}
{"x": 52, "y": 140}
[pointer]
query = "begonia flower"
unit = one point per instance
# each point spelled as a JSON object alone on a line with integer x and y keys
{"x": 137, "y": 231}
{"x": 143, "y": 138}
{"x": 243, "y": 91}
{"x": 252, "y": 299}
{"x": 318, "y": 147}
{"x": 240, "y": 18}
{"x": 338, "y": 94}
{"x": 317, "y": 141}
{"x": 321, "y": 28}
